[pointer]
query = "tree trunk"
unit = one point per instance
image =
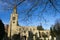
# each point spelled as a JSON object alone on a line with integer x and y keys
{"x": 58, "y": 37}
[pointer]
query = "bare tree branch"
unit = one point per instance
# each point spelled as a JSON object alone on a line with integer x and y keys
{"x": 35, "y": 3}
{"x": 52, "y": 3}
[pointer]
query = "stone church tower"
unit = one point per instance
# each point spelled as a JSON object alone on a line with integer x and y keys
{"x": 25, "y": 33}
{"x": 13, "y": 23}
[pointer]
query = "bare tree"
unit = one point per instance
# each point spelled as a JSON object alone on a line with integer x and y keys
{"x": 34, "y": 6}
{"x": 56, "y": 30}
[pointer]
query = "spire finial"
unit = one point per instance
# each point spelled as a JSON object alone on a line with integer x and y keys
{"x": 15, "y": 9}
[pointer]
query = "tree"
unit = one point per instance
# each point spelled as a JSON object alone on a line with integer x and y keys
{"x": 30, "y": 35}
{"x": 57, "y": 27}
{"x": 40, "y": 27}
{"x": 52, "y": 32}
{"x": 16, "y": 37}
{"x": 33, "y": 7}
{"x": 2, "y": 30}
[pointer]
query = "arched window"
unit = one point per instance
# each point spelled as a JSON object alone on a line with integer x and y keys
{"x": 13, "y": 18}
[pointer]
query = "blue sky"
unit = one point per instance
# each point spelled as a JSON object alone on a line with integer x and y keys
{"x": 48, "y": 14}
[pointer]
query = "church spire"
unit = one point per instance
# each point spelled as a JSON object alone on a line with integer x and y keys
{"x": 15, "y": 9}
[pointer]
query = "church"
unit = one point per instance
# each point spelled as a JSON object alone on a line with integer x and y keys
{"x": 26, "y": 33}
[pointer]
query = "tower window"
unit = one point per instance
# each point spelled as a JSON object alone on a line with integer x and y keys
{"x": 13, "y": 22}
{"x": 13, "y": 18}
